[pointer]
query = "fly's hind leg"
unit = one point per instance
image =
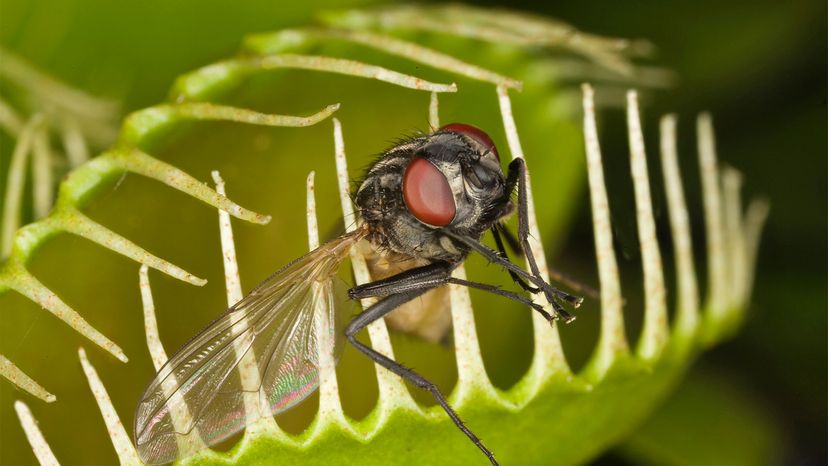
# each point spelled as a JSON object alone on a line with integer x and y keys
{"x": 377, "y": 311}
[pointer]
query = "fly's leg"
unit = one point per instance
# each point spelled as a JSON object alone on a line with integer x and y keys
{"x": 431, "y": 276}
{"x": 495, "y": 257}
{"x": 418, "y": 278}
{"x": 505, "y": 293}
{"x": 511, "y": 241}
{"x": 557, "y": 275}
{"x": 377, "y": 311}
{"x": 502, "y": 250}
{"x": 517, "y": 177}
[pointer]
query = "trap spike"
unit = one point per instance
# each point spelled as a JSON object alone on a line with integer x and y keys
{"x": 471, "y": 371}
{"x": 142, "y": 123}
{"x": 612, "y": 342}
{"x": 75, "y": 222}
{"x": 200, "y": 84}
{"x": 716, "y": 301}
{"x": 349, "y": 67}
{"x": 755, "y": 217}
{"x": 248, "y": 368}
{"x": 330, "y": 406}
{"x": 734, "y": 235}
{"x": 392, "y": 390}
{"x": 120, "y": 439}
{"x": 549, "y": 358}
{"x": 654, "y": 332}
{"x": 144, "y": 164}
{"x": 19, "y": 378}
{"x": 77, "y": 151}
{"x": 16, "y": 277}
{"x": 40, "y": 447}
{"x": 434, "y": 112}
{"x": 687, "y": 312}
{"x": 14, "y": 184}
{"x": 180, "y": 415}
{"x": 42, "y": 178}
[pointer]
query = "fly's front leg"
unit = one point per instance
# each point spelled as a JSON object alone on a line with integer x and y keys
{"x": 502, "y": 250}
{"x": 554, "y": 274}
{"x": 517, "y": 177}
{"x": 377, "y": 311}
{"x": 496, "y": 258}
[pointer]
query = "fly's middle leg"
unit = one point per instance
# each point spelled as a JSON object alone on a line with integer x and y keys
{"x": 432, "y": 276}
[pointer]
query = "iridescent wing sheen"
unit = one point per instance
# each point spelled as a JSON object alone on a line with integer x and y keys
{"x": 200, "y": 394}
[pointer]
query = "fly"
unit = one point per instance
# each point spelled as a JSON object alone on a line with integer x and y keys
{"x": 424, "y": 205}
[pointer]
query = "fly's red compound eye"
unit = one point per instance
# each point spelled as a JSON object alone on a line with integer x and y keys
{"x": 475, "y": 133}
{"x": 427, "y": 193}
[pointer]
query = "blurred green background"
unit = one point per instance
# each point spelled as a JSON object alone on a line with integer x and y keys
{"x": 759, "y": 67}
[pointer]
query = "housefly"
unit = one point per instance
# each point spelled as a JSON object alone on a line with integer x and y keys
{"x": 424, "y": 204}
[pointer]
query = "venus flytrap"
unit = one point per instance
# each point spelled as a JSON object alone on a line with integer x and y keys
{"x": 657, "y": 369}
{"x": 201, "y": 84}
{"x": 583, "y": 413}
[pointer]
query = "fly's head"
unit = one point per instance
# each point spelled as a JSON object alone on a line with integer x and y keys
{"x": 450, "y": 179}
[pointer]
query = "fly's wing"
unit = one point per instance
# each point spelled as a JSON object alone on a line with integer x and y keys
{"x": 199, "y": 391}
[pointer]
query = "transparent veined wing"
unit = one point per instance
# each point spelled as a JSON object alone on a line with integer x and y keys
{"x": 199, "y": 393}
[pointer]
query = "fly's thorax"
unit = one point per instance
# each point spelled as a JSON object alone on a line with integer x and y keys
{"x": 417, "y": 189}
